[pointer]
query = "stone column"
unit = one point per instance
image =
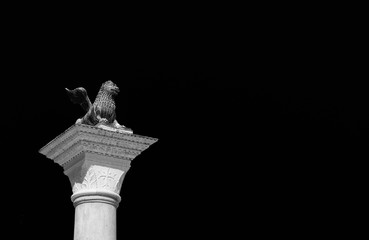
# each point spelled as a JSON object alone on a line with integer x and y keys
{"x": 95, "y": 160}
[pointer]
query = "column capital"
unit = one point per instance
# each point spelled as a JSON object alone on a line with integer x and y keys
{"x": 95, "y": 159}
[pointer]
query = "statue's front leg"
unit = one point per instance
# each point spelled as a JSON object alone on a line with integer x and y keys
{"x": 79, "y": 121}
{"x": 117, "y": 125}
{"x": 102, "y": 120}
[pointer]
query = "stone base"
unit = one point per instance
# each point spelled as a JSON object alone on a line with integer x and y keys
{"x": 120, "y": 130}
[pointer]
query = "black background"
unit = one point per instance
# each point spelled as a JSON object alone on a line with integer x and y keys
{"x": 257, "y": 134}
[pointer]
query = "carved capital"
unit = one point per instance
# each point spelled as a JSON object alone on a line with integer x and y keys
{"x": 96, "y": 178}
{"x": 95, "y": 159}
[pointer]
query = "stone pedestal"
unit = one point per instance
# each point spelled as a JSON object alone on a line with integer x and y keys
{"x": 95, "y": 160}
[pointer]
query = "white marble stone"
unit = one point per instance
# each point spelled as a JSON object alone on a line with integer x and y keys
{"x": 95, "y": 217}
{"x": 95, "y": 161}
{"x": 120, "y": 130}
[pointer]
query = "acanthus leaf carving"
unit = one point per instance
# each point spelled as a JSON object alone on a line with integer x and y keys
{"x": 99, "y": 178}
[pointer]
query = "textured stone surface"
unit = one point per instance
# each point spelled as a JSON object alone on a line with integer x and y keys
{"x": 98, "y": 177}
{"x": 94, "y": 158}
{"x": 84, "y": 138}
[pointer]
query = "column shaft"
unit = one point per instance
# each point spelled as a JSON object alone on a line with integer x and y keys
{"x": 95, "y": 218}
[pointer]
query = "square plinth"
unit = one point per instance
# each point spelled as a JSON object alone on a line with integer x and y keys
{"x": 114, "y": 147}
